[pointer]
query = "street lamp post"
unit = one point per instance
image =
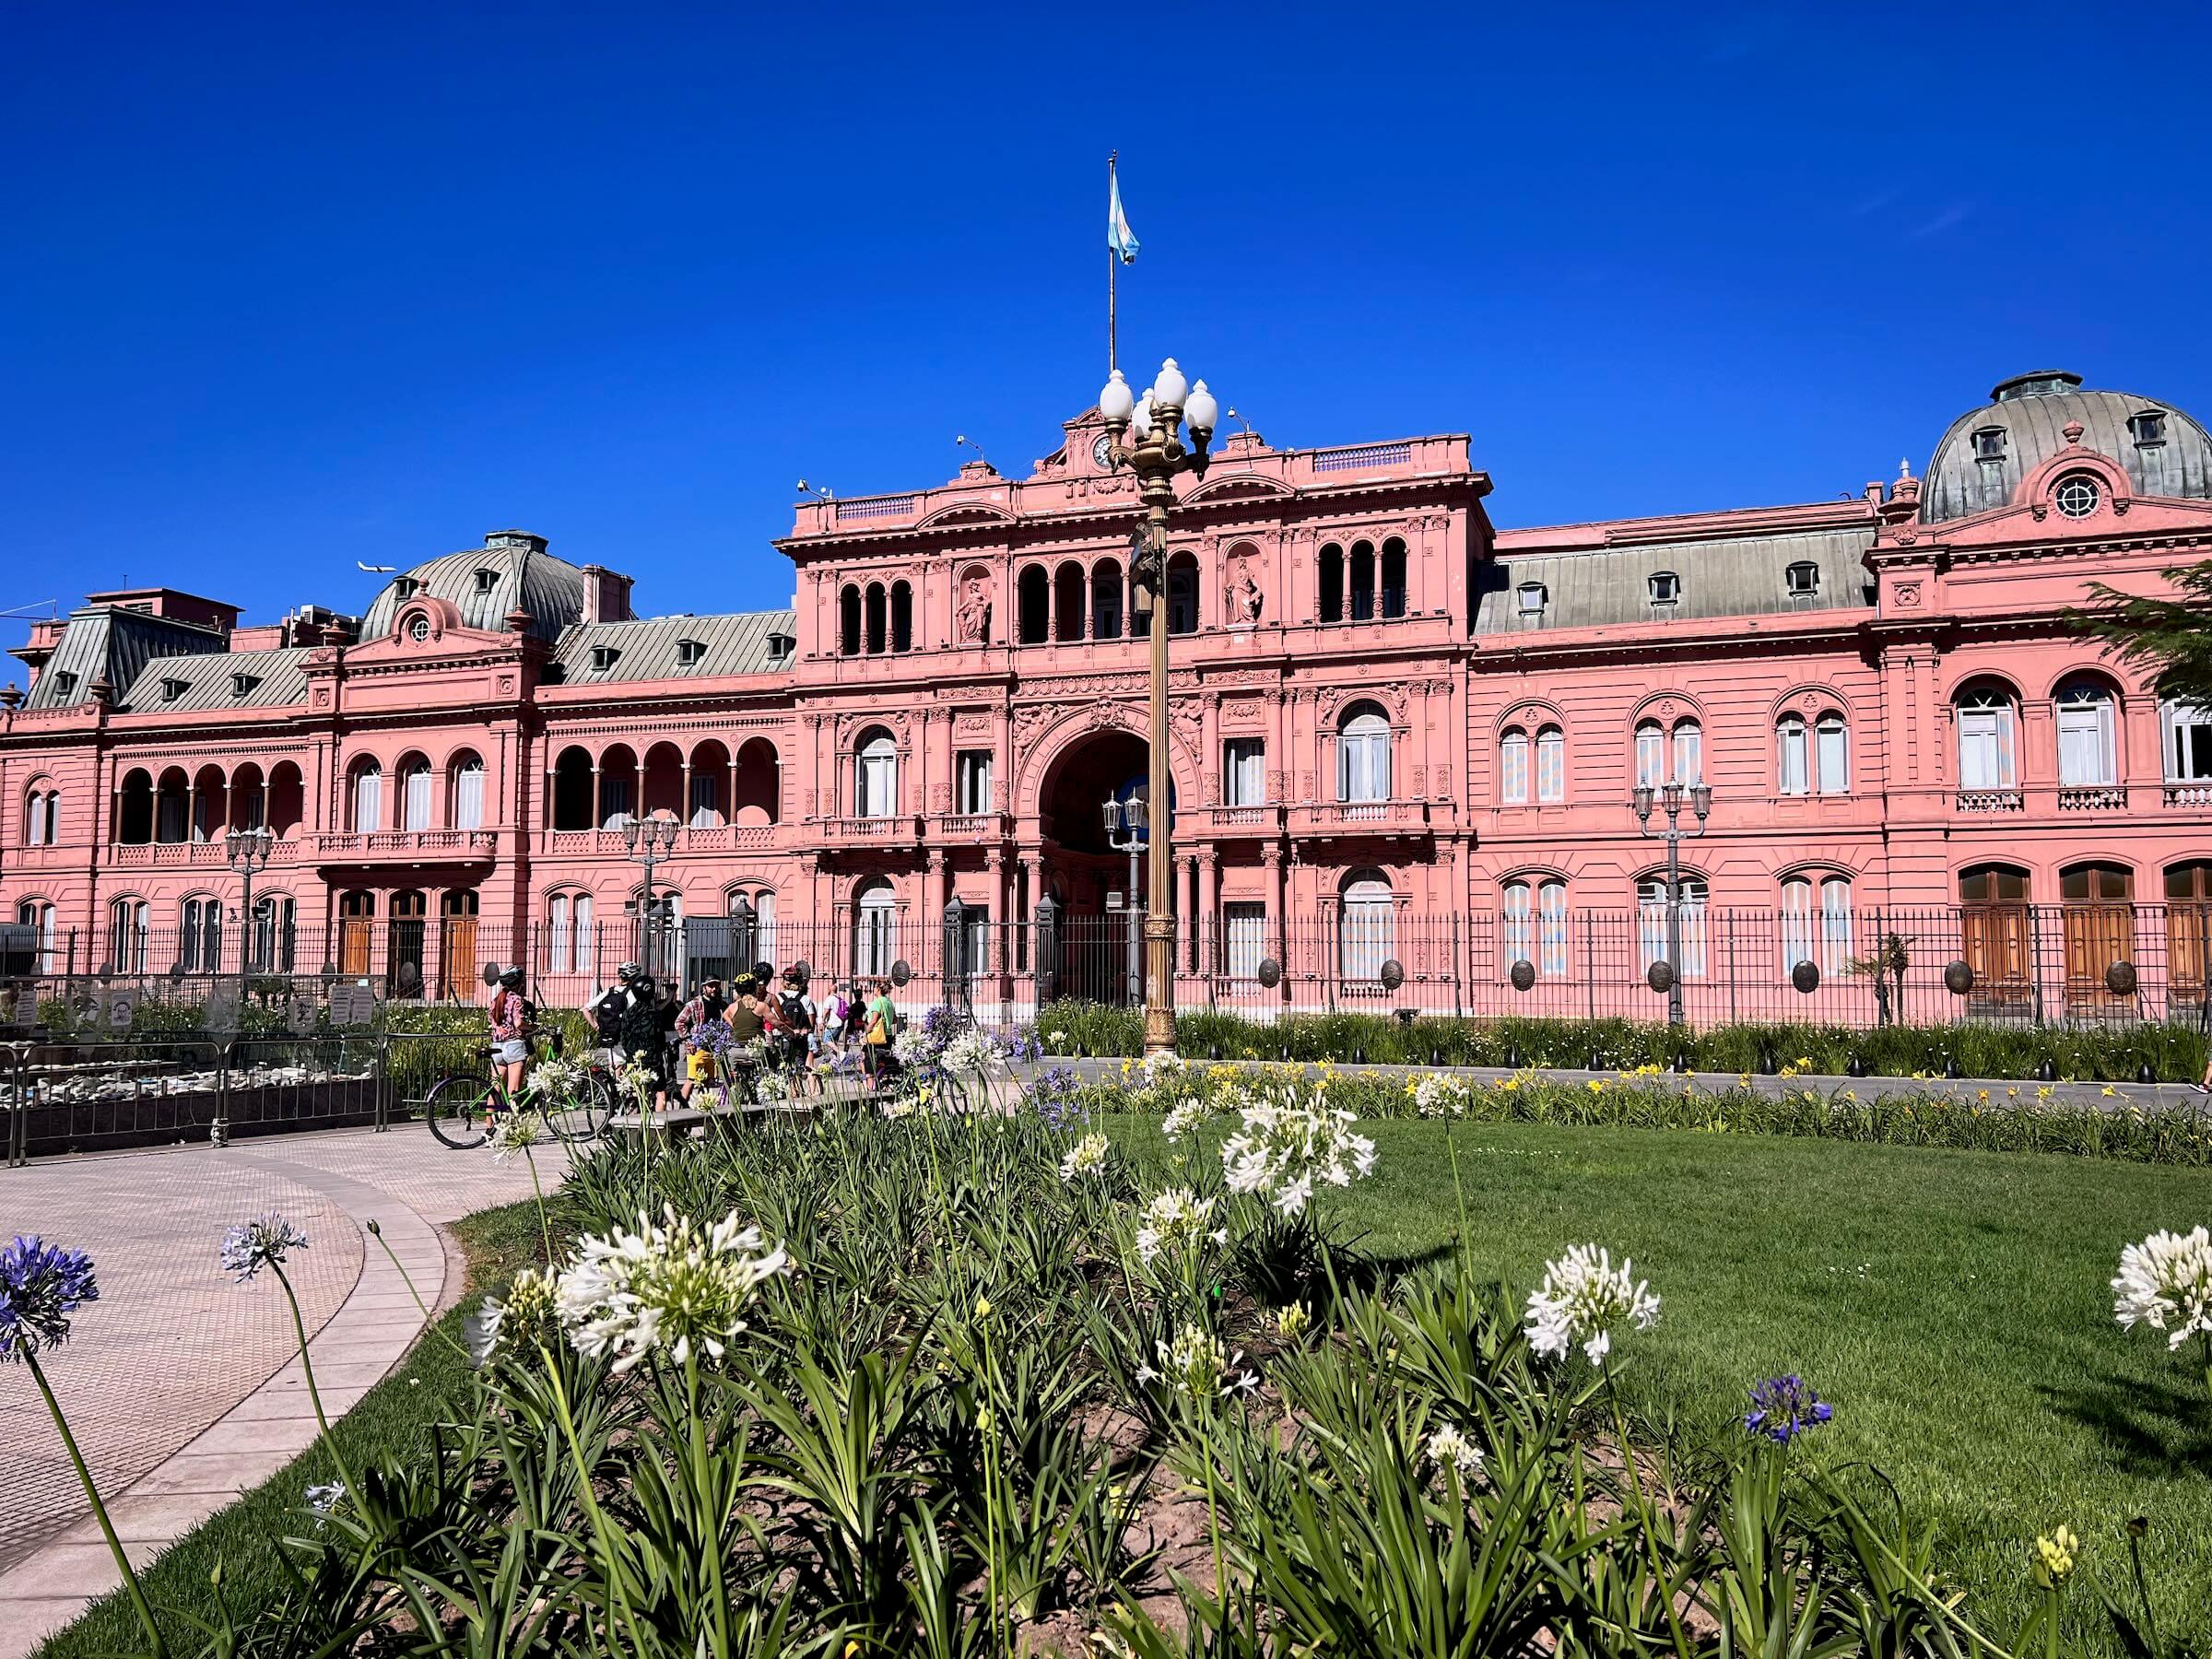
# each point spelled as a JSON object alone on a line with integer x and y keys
{"x": 1157, "y": 455}
{"x": 647, "y": 841}
{"x": 247, "y": 851}
{"x": 1671, "y": 797}
{"x": 1125, "y": 833}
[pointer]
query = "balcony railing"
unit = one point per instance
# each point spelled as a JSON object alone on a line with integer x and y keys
{"x": 1362, "y": 457}
{"x": 863, "y": 507}
{"x": 409, "y": 843}
{"x": 1353, "y": 817}
{"x": 970, "y": 826}
{"x": 179, "y": 855}
{"x": 1988, "y": 800}
{"x": 2189, "y": 794}
{"x": 1263, "y": 818}
{"x": 2100, "y": 797}
{"x": 873, "y": 832}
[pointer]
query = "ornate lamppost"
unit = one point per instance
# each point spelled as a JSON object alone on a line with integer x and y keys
{"x": 647, "y": 841}
{"x": 1157, "y": 455}
{"x": 247, "y": 852}
{"x": 1125, "y": 833}
{"x": 1672, "y": 796}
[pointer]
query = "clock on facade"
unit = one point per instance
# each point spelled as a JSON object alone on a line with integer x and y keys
{"x": 1101, "y": 448}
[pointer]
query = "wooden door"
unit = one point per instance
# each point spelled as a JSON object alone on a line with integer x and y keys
{"x": 2099, "y": 924}
{"x": 356, "y": 932}
{"x": 1996, "y": 935}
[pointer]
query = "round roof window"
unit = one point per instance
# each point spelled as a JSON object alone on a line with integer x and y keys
{"x": 2076, "y": 497}
{"x": 419, "y": 627}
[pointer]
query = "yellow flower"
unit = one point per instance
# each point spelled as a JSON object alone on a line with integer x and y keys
{"x": 2011, "y": 1093}
{"x": 983, "y": 1307}
{"x": 1597, "y": 1086}
{"x": 1292, "y": 1322}
{"x": 1981, "y": 1095}
{"x": 1851, "y": 1097}
{"x": 2054, "y": 1555}
{"x": 2109, "y": 1091}
{"x": 2044, "y": 1093}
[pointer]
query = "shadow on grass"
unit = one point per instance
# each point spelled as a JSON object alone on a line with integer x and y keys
{"x": 2152, "y": 1428}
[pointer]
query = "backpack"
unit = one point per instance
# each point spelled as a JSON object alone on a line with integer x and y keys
{"x": 607, "y": 1018}
{"x": 796, "y": 1017}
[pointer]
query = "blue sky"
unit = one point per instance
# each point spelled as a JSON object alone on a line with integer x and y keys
{"x": 287, "y": 287}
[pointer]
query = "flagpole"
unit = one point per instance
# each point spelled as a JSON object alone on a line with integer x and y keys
{"x": 1113, "y": 277}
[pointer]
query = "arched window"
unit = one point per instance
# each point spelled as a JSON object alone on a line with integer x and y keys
{"x": 1519, "y": 916}
{"x": 902, "y": 616}
{"x": 2185, "y": 732}
{"x": 467, "y": 808}
{"x": 1815, "y": 922}
{"x": 617, "y": 775}
{"x": 1551, "y": 764}
{"x": 1068, "y": 588}
{"x": 414, "y": 794}
{"x": 1689, "y": 753}
{"x": 875, "y": 916}
{"x": 1183, "y": 594}
{"x": 875, "y": 775}
{"x": 1332, "y": 584}
{"x": 848, "y": 621}
{"x": 1650, "y": 754}
{"x": 172, "y": 800}
{"x": 249, "y": 798}
{"x": 2098, "y": 912}
{"x": 1551, "y": 924}
{"x": 1033, "y": 606}
{"x": 760, "y": 797}
{"x": 1368, "y": 937}
{"x": 570, "y": 945}
{"x": 1986, "y": 749}
{"x": 559, "y": 940}
{"x": 875, "y": 620}
{"x": 764, "y": 922}
{"x": 2188, "y": 929}
{"x": 1393, "y": 578}
{"x": 135, "y": 809}
{"x": 1363, "y": 754}
{"x": 1793, "y": 764}
{"x": 1513, "y": 768}
{"x": 275, "y": 930}
{"x": 1106, "y": 600}
{"x": 200, "y": 935}
{"x": 1832, "y": 754}
{"x": 368, "y": 798}
{"x": 1363, "y": 581}
{"x": 42, "y": 816}
{"x": 572, "y": 790}
{"x": 1651, "y": 917}
{"x": 1995, "y": 931}
{"x": 1536, "y": 924}
{"x": 2086, "y": 748}
{"x": 130, "y": 921}
{"x": 38, "y": 915}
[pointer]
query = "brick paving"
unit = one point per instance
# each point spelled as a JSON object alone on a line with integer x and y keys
{"x": 183, "y": 1387}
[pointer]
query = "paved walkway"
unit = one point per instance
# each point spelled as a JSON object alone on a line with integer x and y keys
{"x": 185, "y": 1389}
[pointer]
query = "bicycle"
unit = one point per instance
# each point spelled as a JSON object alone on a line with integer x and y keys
{"x": 461, "y": 1106}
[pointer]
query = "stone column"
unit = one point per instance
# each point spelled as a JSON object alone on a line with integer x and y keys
{"x": 1208, "y": 919}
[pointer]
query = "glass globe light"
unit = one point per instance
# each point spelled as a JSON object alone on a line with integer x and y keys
{"x": 1168, "y": 388}
{"x": 1200, "y": 409}
{"x": 1141, "y": 418}
{"x": 1116, "y": 400}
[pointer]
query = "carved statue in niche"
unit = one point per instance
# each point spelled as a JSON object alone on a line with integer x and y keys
{"x": 974, "y": 614}
{"x": 1242, "y": 597}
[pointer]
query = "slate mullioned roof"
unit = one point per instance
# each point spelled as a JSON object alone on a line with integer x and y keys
{"x": 278, "y": 679}
{"x": 2033, "y": 410}
{"x": 108, "y": 640}
{"x": 650, "y": 649}
{"x": 1729, "y": 576}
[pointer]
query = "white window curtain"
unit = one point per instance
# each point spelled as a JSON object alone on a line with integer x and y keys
{"x": 614, "y": 799}
{"x": 1985, "y": 742}
{"x": 1651, "y": 755}
{"x": 1518, "y": 916}
{"x": 1513, "y": 768}
{"x": 1363, "y": 757}
{"x": 872, "y": 930}
{"x": 2187, "y": 733}
{"x": 169, "y": 824}
{"x": 468, "y": 795}
{"x": 1790, "y": 758}
{"x": 559, "y": 942}
{"x": 704, "y": 790}
{"x": 974, "y": 781}
{"x": 1689, "y": 753}
{"x": 1370, "y": 928}
{"x": 1244, "y": 783}
{"x": 875, "y": 779}
{"x": 1246, "y": 926}
{"x": 1551, "y": 905}
{"x": 417, "y": 805}
{"x": 764, "y": 921}
{"x": 586, "y": 944}
{"x": 273, "y": 924}
{"x": 1832, "y": 738}
{"x": 1651, "y": 912}
{"x": 368, "y": 801}
{"x": 1796, "y": 923}
{"x": 1835, "y": 925}
{"x": 2085, "y": 736}
{"x": 1551, "y": 764}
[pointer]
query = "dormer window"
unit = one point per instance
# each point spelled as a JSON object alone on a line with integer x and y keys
{"x": 1665, "y": 588}
{"x": 689, "y": 653}
{"x": 403, "y": 587}
{"x": 1989, "y": 444}
{"x": 1802, "y": 580}
{"x": 782, "y": 644}
{"x": 1533, "y": 596}
{"x": 172, "y": 689}
{"x": 487, "y": 580}
{"x": 2150, "y": 428}
{"x": 606, "y": 656}
{"x": 64, "y": 685}
{"x": 242, "y": 685}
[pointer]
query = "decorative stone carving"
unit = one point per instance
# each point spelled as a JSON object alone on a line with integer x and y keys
{"x": 973, "y": 617}
{"x": 1241, "y": 599}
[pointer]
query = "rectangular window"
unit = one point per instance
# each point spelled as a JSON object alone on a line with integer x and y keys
{"x": 1986, "y": 749}
{"x": 418, "y": 799}
{"x": 1245, "y": 926}
{"x": 1517, "y": 939}
{"x": 1835, "y": 758}
{"x": 1796, "y": 924}
{"x": 1651, "y": 756}
{"x": 367, "y": 802}
{"x": 1791, "y": 758}
{"x": 2188, "y": 744}
{"x": 1243, "y": 781}
{"x": 1690, "y": 754}
{"x": 704, "y": 815}
{"x": 468, "y": 798}
{"x": 613, "y": 800}
{"x": 2085, "y": 745}
{"x": 874, "y": 780}
{"x": 973, "y": 780}
{"x": 1512, "y": 769}
{"x": 1835, "y": 926}
{"x": 1551, "y": 764}
{"x": 1552, "y": 923}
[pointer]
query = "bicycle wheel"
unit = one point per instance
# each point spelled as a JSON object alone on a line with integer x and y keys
{"x": 459, "y": 1110}
{"x": 583, "y": 1115}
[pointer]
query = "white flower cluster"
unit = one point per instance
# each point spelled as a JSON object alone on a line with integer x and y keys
{"x": 1439, "y": 1094}
{"x": 1176, "y": 1221}
{"x": 1087, "y": 1157}
{"x": 1166, "y": 1066}
{"x": 555, "y": 1078}
{"x": 512, "y": 1131}
{"x": 669, "y": 1286}
{"x": 972, "y": 1055}
{"x": 1283, "y": 1150}
{"x": 530, "y": 1315}
{"x": 1196, "y": 1366}
{"x": 1584, "y": 1296}
{"x": 2165, "y": 1283}
{"x": 1185, "y": 1118}
{"x": 1448, "y": 1446}
{"x": 638, "y": 1077}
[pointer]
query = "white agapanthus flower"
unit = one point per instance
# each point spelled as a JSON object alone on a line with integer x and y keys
{"x": 2165, "y": 1283}
{"x": 513, "y": 1131}
{"x": 972, "y": 1053}
{"x": 1438, "y": 1094}
{"x": 1165, "y": 1067}
{"x": 1185, "y": 1118}
{"x": 1176, "y": 1221}
{"x": 1583, "y": 1297}
{"x": 1447, "y": 1445}
{"x": 1087, "y": 1157}
{"x": 1283, "y": 1151}
{"x": 530, "y": 1313}
{"x": 323, "y": 1499}
{"x": 669, "y": 1286}
{"x": 555, "y": 1078}
{"x": 1196, "y": 1366}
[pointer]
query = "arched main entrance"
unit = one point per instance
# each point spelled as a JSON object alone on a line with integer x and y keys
{"x": 1089, "y": 879}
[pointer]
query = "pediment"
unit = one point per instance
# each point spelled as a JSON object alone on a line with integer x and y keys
{"x": 1239, "y": 487}
{"x": 966, "y": 513}
{"x": 2115, "y": 518}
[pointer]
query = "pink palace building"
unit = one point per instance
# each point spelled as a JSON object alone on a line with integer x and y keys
{"x": 1400, "y": 734}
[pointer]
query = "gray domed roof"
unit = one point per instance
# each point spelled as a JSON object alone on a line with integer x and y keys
{"x": 550, "y": 588}
{"x": 2025, "y": 419}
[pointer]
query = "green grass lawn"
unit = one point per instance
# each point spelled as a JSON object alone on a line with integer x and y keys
{"x": 430, "y": 1383}
{"x": 1952, "y": 1305}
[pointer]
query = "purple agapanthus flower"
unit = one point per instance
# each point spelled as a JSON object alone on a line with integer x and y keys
{"x": 1020, "y": 1045}
{"x": 1057, "y": 1094}
{"x": 41, "y": 1285}
{"x": 261, "y": 1242}
{"x": 1785, "y": 1407}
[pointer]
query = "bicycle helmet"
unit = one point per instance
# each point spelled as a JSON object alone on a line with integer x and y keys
{"x": 629, "y": 970}
{"x": 511, "y": 979}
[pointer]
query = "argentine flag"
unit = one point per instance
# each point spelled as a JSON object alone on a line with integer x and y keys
{"x": 1119, "y": 236}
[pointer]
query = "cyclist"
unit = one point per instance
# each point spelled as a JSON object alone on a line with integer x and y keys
{"x": 510, "y": 1019}
{"x": 794, "y": 1029}
{"x": 702, "y": 1011}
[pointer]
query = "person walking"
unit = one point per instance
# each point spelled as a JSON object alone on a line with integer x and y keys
{"x": 796, "y": 1020}
{"x": 511, "y": 1017}
{"x": 876, "y": 1031}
